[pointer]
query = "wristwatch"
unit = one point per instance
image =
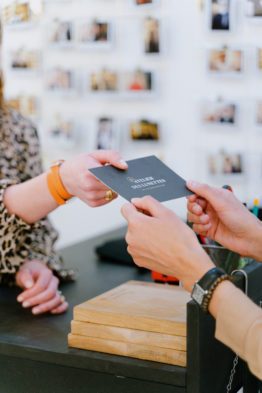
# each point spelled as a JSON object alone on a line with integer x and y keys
{"x": 204, "y": 288}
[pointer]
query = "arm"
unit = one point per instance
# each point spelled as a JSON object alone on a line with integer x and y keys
{"x": 32, "y": 200}
{"x": 160, "y": 241}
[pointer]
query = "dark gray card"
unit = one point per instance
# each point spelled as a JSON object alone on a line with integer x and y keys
{"x": 144, "y": 176}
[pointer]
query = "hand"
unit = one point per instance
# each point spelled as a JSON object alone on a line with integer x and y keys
{"x": 40, "y": 289}
{"x": 216, "y": 213}
{"x": 79, "y": 182}
{"x": 160, "y": 241}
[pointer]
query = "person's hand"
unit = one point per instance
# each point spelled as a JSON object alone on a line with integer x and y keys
{"x": 40, "y": 289}
{"x": 217, "y": 214}
{"x": 79, "y": 182}
{"x": 160, "y": 241}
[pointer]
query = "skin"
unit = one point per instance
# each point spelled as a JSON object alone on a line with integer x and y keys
{"x": 218, "y": 214}
{"x": 32, "y": 201}
{"x": 158, "y": 240}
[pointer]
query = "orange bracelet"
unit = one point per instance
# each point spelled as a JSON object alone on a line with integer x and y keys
{"x": 55, "y": 185}
{"x": 53, "y": 191}
{"x": 60, "y": 188}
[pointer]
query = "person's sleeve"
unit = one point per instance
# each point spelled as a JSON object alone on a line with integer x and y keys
{"x": 239, "y": 326}
{"x": 41, "y": 239}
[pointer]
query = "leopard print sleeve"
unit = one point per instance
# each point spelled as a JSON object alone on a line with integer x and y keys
{"x": 20, "y": 161}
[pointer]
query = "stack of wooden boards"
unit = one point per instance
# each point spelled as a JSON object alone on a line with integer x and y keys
{"x": 137, "y": 319}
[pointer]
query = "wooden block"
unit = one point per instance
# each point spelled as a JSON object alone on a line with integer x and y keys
{"x": 155, "y": 354}
{"x": 128, "y": 335}
{"x": 138, "y": 305}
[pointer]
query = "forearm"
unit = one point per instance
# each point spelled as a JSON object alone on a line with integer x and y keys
{"x": 238, "y": 324}
{"x": 30, "y": 200}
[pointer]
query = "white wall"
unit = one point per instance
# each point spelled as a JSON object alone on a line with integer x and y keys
{"x": 183, "y": 83}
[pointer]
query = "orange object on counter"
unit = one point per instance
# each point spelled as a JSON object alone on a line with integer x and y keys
{"x": 162, "y": 278}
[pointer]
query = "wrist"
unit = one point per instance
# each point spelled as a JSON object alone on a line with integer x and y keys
{"x": 255, "y": 243}
{"x": 220, "y": 295}
{"x": 201, "y": 264}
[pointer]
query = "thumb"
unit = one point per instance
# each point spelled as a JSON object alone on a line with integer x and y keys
{"x": 24, "y": 278}
{"x": 149, "y": 205}
{"x": 215, "y": 196}
{"x": 128, "y": 211}
{"x": 110, "y": 157}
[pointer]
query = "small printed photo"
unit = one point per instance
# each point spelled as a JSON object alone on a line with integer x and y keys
{"x": 220, "y": 18}
{"x": 225, "y": 61}
{"x": 219, "y": 113}
{"x": 254, "y": 8}
{"x": 26, "y": 105}
{"x": 62, "y": 132}
{"x": 22, "y": 12}
{"x": 259, "y": 59}
{"x": 152, "y": 35}
{"x": 61, "y": 32}
{"x": 104, "y": 81}
{"x": 106, "y": 136}
{"x": 144, "y": 130}
{"x": 59, "y": 79}
{"x": 224, "y": 163}
{"x": 25, "y": 60}
{"x": 144, "y": 2}
{"x": 259, "y": 113}
{"x": 94, "y": 32}
{"x": 138, "y": 81}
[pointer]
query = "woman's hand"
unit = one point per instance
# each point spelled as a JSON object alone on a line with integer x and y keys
{"x": 216, "y": 213}
{"x": 79, "y": 182}
{"x": 40, "y": 289}
{"x": 160, "y": 241}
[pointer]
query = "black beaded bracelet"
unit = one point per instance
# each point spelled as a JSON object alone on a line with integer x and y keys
{"x": 208, "y": 297}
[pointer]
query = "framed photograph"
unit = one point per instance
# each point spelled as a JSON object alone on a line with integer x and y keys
{"x": 219, "y": 13}
{"x": 22, "y": 13}
{"x": 254, "y": 8}
{"x": 60, "y": 80}
{"x": 219, "y": 113}
{"x": 259, "y": 59}
{"x": 62, "y": 132}
{"x": 259, "y": 113}
{"x": 94, "y": 34}
{"x": 226, "y": 61}
{"x": 61, "y": 33}
{"x": 28, "y": 106}
{"x": 138, "y": 81}
{"x": 25, "y": 60}
{"x": 145, "y": 130}
{"x": 152, "y": 40}
{"x": 104, "y": 81}
{"x": 224, "y": 163}
{"x": 106, "y": 134}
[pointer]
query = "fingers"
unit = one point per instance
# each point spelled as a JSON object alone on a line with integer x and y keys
{"x": 110, "y": 157}
{"x": 41, "y": 283}
{"x": 46, "y": 295}
{"x": 60, "y": 309}
{"x": 201, "y": 229}
{"x": 50, "y": 305}
{"x": 24, "y": 278}
{"x": 149, "y": 205}
{"x": 195, "y": 219}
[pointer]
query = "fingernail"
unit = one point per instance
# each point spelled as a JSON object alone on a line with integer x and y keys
{"x": 29, "y": 284}
{"x": 193, "y": 184}
{"x": 123, "y": 162}
{"x": 36, "y": 311}
{"x": 26, "y": 304}
{"x": 20, "y": 298}
{"x": 197, "y": 209}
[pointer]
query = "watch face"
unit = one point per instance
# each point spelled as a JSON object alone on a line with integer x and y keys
{"x": 198, "y": 294}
